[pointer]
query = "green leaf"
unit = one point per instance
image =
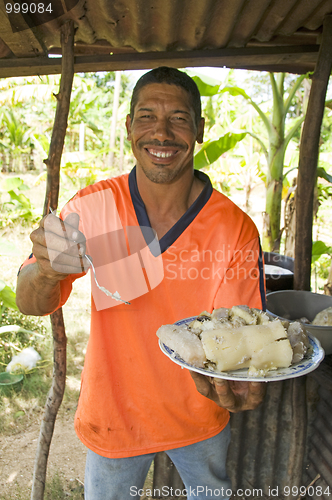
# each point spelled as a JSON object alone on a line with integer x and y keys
{"x": 235, "y": 91}
{"x": 2, "y": 285}
{"x": 21, "y": 198}
{"x": 319, "y": 248}
{"x": 8, "y": 248}
{"x": 7, "y": 297}
{"x": 19, "y": 414}
{"x": 205, "y": 89}
{"x": 321, "y": 172}
{"x": 12, "y": 183}
{"x": 212, "y": 150}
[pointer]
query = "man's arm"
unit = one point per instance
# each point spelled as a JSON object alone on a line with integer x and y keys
{"x": 58, "y": 248}
{"x": 35, "y": 294}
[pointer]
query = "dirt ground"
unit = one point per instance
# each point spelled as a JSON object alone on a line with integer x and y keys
{"x": 17, "y": 453}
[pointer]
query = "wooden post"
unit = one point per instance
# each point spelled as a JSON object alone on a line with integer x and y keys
{"x": 116, "y": 97}
{"x": 309, "y": 150}
{"x": 55, "y": 395}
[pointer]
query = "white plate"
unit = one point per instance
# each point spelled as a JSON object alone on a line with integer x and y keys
{"x": 306, "y": 366}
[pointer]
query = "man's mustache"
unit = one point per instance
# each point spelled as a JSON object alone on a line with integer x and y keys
{"x": 169, "y": 144}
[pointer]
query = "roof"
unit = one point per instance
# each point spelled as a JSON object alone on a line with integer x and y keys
{"x": 272, "y": 35}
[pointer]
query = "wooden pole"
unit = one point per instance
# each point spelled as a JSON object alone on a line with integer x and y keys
{"x": 116, "y": 97}
{"x": 55, "y": 395}
{"x": 309, "y": 150}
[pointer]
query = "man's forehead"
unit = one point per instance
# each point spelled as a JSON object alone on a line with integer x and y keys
{"x": 164, "y": 91}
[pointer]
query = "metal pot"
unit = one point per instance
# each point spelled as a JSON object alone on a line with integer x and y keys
{"x": 273, "y": 278}
{"x": 295, "y": 304}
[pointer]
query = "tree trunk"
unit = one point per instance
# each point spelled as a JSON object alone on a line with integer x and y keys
{"x": 116, "y": 97}
{"x": 51, "y": 201}
{"x": 309, "y": 150}
{"x": 328, "y": 285}
{"x": 290, "y": 222}
{"x": 276, "y": 161}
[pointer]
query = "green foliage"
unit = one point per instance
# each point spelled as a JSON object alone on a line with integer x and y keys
{"x": 205, "y": 88}
{"x": 319, "y": 248}
{"x": 212, "y": 150}
{"x": 56, "y": 488}
{"x": 8, "y": 248}
{"x": 28, "y": 109}
{"x": 14, "y": 204}
{"x": 323, "y": 265}
{"x": 321, "y": 172}
{"x": 17, "y": 332}
{"x": 7, "y": 297}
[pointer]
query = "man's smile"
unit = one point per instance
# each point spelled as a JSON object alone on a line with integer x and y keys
{"x": 161, "y": 154}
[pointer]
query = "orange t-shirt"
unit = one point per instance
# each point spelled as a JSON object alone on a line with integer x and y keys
{"x": 133, "y": 399}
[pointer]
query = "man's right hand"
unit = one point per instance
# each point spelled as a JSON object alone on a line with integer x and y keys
{"x": 59, "y": 247}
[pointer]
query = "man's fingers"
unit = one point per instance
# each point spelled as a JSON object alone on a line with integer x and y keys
{"x": 64, "y": 261}
{"x": 73, "y": 220}
{"x": 52, "y": 224}
{"x": 56, "y": 243}
{"x": 232, "y": 395}
{"x": 227, "y": 399}
{"x": 61, "y": 244}
{"x": 202, "y": 383}
{"x": 256, "y": 394}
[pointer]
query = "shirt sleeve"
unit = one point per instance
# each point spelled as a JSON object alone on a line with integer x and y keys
{"x": 244, "y": 281}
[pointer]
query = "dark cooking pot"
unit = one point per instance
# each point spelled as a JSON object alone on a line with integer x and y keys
{"x": 295, "y": 304}
{"x": 275, "y": 280}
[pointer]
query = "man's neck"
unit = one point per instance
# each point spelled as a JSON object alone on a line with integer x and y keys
{"x": 167, "y": 203}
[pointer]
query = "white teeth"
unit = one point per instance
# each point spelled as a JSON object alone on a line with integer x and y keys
{"x": 161, "y": 154}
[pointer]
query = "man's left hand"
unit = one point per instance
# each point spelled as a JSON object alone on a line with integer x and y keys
{"x": 232, "y": 395}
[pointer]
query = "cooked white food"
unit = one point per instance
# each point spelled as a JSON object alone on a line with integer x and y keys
{"x": 265, "y": 347}
{"x": 184, "y": 342}
{"x": 240, "y": 337}
{"x": 323, "y": 318}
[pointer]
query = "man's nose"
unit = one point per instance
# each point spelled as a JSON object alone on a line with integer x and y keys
{"x": 162, "y": 130}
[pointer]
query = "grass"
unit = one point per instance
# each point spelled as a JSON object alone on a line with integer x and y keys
{"x": 19, "y": 407}
{"x": 57, "y": 488}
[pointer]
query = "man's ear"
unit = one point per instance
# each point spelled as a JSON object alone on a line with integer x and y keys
{"x": 128, "y": 127}
{"x": 200, "y": 131}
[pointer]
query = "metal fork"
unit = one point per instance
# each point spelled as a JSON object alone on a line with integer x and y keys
{"x": 116, "y": 295}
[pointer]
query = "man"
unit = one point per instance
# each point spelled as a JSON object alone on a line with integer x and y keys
{"x": 134, "y": 401}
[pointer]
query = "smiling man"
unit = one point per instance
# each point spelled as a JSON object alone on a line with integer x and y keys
{"x": 134, "y": 401}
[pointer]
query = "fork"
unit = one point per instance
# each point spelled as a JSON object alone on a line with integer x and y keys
{"x": 116, "y": 295}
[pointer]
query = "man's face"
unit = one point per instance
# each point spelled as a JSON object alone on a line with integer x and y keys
{"x": 163, "y": 132}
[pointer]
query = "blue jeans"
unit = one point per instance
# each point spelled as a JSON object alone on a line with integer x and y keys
{"x": 202, "y": 467}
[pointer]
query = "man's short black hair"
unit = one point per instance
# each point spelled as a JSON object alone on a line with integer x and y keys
{"x": 171, "y": 76}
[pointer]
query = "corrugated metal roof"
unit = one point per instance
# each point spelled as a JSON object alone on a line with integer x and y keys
{"x": 237, "y": 33}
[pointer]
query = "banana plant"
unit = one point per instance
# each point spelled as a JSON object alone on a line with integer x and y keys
{"x": 275, "y": 147}
{"x": 211, "y": 150}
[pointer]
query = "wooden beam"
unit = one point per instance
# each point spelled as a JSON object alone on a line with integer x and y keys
{"x": 24, "y": 42}
{"x": 309, "y": 150}
{"x": 294, "y": 59}
{"x": 51, "y": 201}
